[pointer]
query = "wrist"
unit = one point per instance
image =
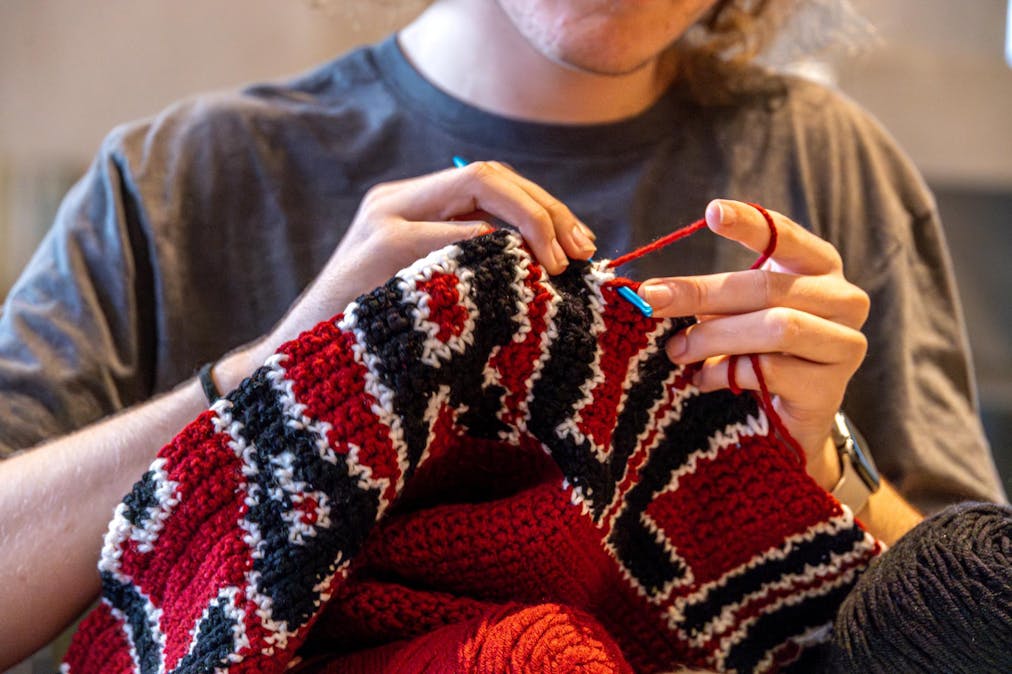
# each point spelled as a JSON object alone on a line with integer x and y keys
{"x": 859, "y": 479}
{"x": 824, "y": 466}
{"x": 230, "y": 370}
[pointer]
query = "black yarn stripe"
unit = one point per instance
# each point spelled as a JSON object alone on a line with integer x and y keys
{"x": 384, "y": 317}
{"x": 289, "y": 571}
{"x": 567, "y": 368}
{"x": 215, "y": 642}
{"x": 141, "y": 500}
{"x": 771, "y": 630}
{"x": 634, "y": 417}
{"x": 127, "y": 599}
{"x": 496, "y": 296}
{"x": 813, "y": 552}
{"x": 642, "y": 555}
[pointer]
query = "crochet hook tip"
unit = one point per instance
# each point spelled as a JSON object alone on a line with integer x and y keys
{"x": 630, "y": 296}
{"x": 459, "y": 161}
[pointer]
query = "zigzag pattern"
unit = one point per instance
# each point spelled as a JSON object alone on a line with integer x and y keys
{"x": 709, "y": 544}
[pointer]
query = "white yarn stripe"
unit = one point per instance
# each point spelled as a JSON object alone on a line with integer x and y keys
{"x": 383, "y": 407}
{"x": 725, "y": 620}
{"x": 671, "y": 400}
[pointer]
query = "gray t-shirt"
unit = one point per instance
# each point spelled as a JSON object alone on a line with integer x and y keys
{"x": 194, "y": 231}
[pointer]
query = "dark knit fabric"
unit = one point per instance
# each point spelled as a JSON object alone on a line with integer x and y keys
{"x": 940, "y": 600}
{"x": 474, "y": 468}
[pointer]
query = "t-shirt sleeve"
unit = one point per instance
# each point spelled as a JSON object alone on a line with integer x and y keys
{"x": 914, "y": 397}
{"x": 75, "y": 334}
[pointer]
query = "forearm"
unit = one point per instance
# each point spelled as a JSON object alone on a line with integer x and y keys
{"x": 887, "y": 515}
{"x": 55, "y": 504}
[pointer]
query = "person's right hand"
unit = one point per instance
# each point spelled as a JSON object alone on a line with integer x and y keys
{"x": 401, "y": 221}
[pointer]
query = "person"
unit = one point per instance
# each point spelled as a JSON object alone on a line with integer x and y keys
{"x": 228, "y": 223}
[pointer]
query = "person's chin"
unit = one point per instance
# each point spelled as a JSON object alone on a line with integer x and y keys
{"x": 601, "y": 64}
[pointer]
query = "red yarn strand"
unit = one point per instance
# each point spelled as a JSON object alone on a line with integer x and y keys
{"x": 659, "y": 243}
{"x": 732, "y": 382}
{"x": 772, "y": 245}
{"x": 771, "y": 413}
{"x": 732, "y": 374}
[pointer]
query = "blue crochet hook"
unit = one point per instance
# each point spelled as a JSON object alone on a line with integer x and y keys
{"x": 630, "y": 295}
{"x": 625, "y": 292}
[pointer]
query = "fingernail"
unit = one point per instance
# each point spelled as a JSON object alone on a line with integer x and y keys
{"x": 584, "y": 244}
{"x": 714, "y": 214}
{"x": 587, "y": 230}
{"x": 560, "y": 255}
{"x": 657, "y": 296}
{"x": 677, "y": 346}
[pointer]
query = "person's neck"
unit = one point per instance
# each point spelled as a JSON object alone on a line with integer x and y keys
{"x": 473, "y": 52}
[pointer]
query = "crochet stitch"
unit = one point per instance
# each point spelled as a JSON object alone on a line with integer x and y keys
{"x": 474, "y": 468}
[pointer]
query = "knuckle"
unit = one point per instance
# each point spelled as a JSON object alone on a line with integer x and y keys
{"x": 557, "y": 209}
{"x": 833, "y": 255}
{"x": 372, "y": 201}
{"x": 765, "y": 286}
{"x": 375, "y": 193}
{"x": 543, "y": 222}
{"x": 786, "y": 326}
{"x": 695, "y": 291}
{"x": 859, "y": 348}
{"x": 860, "y": 303}
{"x": 481, "y": 170}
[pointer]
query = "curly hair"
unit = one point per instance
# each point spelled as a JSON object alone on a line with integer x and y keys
{"x": 717, "y": 57}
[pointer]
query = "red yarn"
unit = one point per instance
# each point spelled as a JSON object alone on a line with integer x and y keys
{"x": 659, "y": 243}
{"x": 509, "y": 638}
{"x": 732, "y": 378}
{"x": 772, "y": 245}
{"x": 732, "y": 382}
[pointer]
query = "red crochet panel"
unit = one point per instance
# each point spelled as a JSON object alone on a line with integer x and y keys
{"x": 474, "y": 468}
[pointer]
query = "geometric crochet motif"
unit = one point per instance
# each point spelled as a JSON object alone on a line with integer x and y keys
{"x": 474, "y": 467}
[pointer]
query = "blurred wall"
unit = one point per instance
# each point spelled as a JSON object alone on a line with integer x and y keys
{"x": 70, "y": 71}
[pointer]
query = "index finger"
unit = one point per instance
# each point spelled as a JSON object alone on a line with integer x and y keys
{"x": 797, "y": 250}
{"x": 544, "y": 221}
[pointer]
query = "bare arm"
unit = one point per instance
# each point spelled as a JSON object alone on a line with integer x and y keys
{"x": 55, "y": 503}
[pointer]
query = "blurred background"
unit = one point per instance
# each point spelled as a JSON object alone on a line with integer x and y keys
{"x": 936, "y": 77}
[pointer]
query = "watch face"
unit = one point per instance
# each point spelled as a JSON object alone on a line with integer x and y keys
{"x": 866, "y": 468}
{"x": 847, "y": 441}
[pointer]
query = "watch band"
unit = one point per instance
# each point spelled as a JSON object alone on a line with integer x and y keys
{"x": 859, "y": 477}
{"x": 206, "y": 379}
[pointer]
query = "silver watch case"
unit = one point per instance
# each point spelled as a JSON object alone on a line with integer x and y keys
{"x": 859, "y": 478}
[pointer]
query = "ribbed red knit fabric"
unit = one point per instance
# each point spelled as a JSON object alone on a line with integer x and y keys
{"x": 474, "y": 468}
{"x": 548, "y": 638}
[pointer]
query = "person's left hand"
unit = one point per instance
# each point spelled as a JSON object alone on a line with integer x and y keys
{"x": 798, "y": 312}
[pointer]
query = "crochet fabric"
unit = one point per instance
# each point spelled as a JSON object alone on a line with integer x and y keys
{"x": 473, "y": 468}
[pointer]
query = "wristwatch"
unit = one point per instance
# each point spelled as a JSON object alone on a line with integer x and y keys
{"x": 859, "y": 477}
